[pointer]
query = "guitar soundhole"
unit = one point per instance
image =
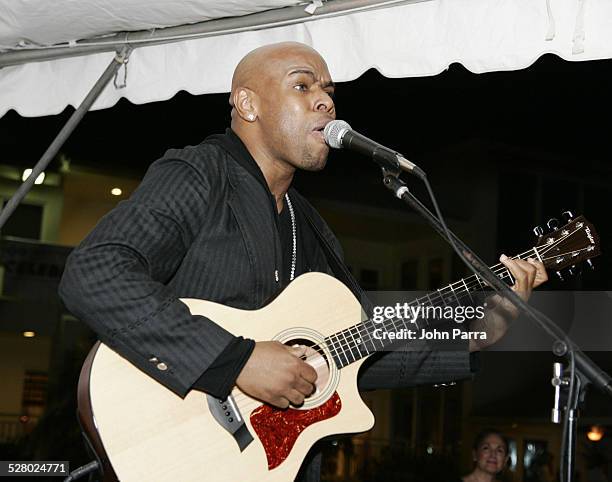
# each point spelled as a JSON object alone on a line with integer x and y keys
{"x": 316, "y": 358}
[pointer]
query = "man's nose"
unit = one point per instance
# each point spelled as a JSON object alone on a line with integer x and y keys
{"x": 324, "y": 103}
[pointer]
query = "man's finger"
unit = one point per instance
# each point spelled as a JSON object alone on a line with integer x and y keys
{"x": 541, "y": 274}
{"x": 308, "y": 373}
{"x": 522, "y": 271}
{"x": 304, "y": 387}
{"x": 298, "y": 350}
{"x": 529, "y": 269}
{"x": 281, "y": 402}
{"x": 295, "y": 397}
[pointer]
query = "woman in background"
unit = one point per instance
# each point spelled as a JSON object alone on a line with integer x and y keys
{"x": 490, "y": 452}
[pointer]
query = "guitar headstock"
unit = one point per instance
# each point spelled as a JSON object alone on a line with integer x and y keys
{"x": 568, "y": 245}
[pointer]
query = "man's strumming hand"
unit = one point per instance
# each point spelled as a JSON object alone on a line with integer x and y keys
{"x": 276, "y": 374}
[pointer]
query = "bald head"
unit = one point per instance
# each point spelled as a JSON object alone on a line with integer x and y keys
{"x": 265, "y": 64}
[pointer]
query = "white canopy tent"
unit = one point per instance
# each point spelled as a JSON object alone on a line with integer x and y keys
{"x": 399, "y": 38}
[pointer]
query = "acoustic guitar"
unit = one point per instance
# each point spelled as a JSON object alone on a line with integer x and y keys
{"x": 141, "y": 431}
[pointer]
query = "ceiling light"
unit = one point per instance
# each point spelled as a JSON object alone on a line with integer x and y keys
{"x": 29, "y": 334}
{"x": 116, "y": 191}
{"x": 39, "y": 180}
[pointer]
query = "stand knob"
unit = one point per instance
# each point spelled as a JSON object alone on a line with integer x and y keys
{"x": 556, "y": 382}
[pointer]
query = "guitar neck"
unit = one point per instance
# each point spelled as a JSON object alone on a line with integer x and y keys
{"x": 370, "y": 336}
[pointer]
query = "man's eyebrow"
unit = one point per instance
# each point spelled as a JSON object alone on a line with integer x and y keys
{"x": 329, "y": 83}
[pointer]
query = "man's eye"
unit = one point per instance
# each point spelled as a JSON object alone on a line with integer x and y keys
{"x": 301, "y": 87}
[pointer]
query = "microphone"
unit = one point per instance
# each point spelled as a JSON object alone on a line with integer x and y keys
{"x": 339, "y": 135}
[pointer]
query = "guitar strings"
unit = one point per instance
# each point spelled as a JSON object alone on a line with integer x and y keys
{"x": 241, "y": 397}
{"x": 386, "y": 323}
{"x": 337, "y": 345}
{"x": 334, "y": 346}
{"x": 565, "y": 254}
{"x": 498, "y": 269}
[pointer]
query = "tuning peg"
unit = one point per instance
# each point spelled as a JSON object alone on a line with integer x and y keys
{"x": 567, "y": 216}
{"x": 559, "y": 275}
{"x": 573, "y": 270}
{"x": 553, "y": 224}
{"x": 590, "y": 264}
{"x": 538, "y": 231}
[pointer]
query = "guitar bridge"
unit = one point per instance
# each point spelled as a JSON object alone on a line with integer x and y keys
{"x": 226, "y": 413}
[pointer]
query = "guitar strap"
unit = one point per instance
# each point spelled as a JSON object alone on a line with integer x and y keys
{"x": 338, "y": 267}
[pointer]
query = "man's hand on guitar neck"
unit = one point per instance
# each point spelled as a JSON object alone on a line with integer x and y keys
{"x": 527, "y": 274}
{"x": 276, "y": 374}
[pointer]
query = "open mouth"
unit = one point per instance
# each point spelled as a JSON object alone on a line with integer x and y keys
{"x": 318, "y": 133}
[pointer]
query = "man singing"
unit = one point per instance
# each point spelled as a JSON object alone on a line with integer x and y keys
{"x": 220, "y": 221}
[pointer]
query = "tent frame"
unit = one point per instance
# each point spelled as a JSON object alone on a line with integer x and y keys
{"x": 120, "y": 59}
{"x": 279, "y": 17}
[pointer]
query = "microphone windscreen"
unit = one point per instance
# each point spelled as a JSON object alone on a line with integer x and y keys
{"x": 334, "y": 131}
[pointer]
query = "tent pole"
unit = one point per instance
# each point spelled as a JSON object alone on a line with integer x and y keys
{"x": 59, "y": 140}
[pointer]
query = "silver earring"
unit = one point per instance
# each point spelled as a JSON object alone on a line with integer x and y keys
{"x": 251, "y": 117}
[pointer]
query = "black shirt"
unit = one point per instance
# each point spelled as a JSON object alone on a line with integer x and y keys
{"x": 220, "y": 377}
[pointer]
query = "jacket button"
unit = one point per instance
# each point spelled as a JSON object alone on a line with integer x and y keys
{"x": 162, "y": 366}
{"x": 153, "y": 359}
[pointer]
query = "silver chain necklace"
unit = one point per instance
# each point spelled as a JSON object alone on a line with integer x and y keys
{"x": 293, "y": 235}
{"x": 293, "y": 230}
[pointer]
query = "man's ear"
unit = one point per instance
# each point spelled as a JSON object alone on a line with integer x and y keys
{"x": 244, "y": 101}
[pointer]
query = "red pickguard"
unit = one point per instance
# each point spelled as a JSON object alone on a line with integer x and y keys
{"x": 279, "y": 429}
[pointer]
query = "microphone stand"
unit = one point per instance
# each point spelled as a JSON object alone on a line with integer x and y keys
{"x": 583, "y": 370}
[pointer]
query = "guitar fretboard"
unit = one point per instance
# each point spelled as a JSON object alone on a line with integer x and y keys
{"x": 359, "y": 341}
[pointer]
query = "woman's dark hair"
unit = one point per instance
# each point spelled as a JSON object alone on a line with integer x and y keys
{"x": 485, "y": 433}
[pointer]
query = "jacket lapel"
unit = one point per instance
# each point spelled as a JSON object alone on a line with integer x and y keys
{"x": 251, "y": 207}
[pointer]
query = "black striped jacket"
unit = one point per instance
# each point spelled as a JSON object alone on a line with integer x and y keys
{"x": 199, "y": 226}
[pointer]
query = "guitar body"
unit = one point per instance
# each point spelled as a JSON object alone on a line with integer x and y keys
{"x": 146, "y": 432}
